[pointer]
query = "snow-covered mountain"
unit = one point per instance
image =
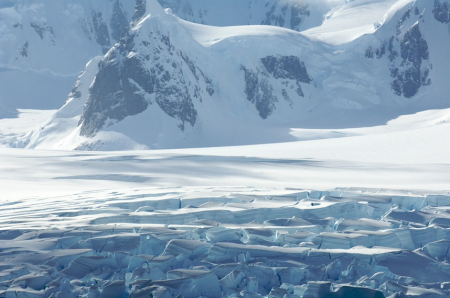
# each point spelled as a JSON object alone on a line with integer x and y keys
{"x": 171, "y": 83}
{"x": 296, "y": 15}
{"x": 167, "y": 82}
{"x": 359, "y": 208}
{"x": 45, "y": 45}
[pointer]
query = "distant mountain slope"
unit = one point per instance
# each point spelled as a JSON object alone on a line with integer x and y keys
{"x": 45, "y": 45}
{"x": 296, "y": 15}
{"x": 171, "y": 83}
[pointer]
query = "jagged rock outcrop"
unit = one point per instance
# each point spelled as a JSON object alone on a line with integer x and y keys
{"x": 287, "y": 14}
{"x": 289, "y": 71}
{"x": 145, "y": 68}
{"x": 43, "y": 29}
{"x": 408, "y": 55}
{"x": 119, "y": 22}
{"x": 105, "y": 35}
{"x": 259, "y": 91}
{"x": 441, "y": 11}
{"x": 139, "y": 11}
{"x": 409, "y": 76}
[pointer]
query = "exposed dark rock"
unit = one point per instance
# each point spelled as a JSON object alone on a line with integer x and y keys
{"x": 287, "y": 67}
{"x": 400, "y": 23}
{"x": 187, "y": 9}
{"x": 87, "y": 28}
{"x": 41, "y": 28}
{"x": 379, "y": 52}
{"x": 272, "y": 18}
{"x": 18, "y": 25}
{"x": 119, "y": 23}
{"x": 297, "y": 15}
{"x": 413, "y": 46}
{"x": 101, "y": 31}
{"x": 111, "y": 96}
{"x": 156, "y": 72}
{"x": 409, "y": 76}
{"x": 298, "y": 11}
{"x": 441, "y": 11}
{"x": 87, "y": 146}
{"x": 259, "y": 91}
{"x": 393, "y": 54}
{"x": 139, "y": 11}
{"x": 287, "y": 70}
{"x": 75, "y": 93}
{"x": 24, "y": 49}
{"x": 425, "y": 80}
{"x": 369, "y": 52}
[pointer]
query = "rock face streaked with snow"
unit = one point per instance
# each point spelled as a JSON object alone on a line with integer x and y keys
{"x": 45, "y": 44}
{"x": 147, "y": 63}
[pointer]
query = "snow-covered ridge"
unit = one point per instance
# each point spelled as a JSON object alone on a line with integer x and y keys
{"x": 296, "y": 15}
{"x": 45, "y": 35}
{"x": 182, "y": 82}
{"x": 171, "y": 83}
{"x": 45, "y": 44}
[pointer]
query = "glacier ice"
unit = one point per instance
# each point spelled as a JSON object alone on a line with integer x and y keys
{"x": 295, "y": 245}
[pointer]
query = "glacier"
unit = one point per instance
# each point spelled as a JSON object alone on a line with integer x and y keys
{"x": 299, "y": 148}
{"x": 113, "y": 244}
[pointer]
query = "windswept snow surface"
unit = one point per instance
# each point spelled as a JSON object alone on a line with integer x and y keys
{"x": 346, "y": 23}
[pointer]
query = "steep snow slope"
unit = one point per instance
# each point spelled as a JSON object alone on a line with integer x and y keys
{"x": 171, "y": 83}
{"x": 45, "y": 45}
{"x": 347, "y": 22}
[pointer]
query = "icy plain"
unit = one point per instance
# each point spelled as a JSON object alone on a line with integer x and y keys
{"x": 245, "y": 221}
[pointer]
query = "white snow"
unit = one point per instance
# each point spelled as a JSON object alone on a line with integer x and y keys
{"x": 346, "y": 23}
{"x": 281, "y": 211}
